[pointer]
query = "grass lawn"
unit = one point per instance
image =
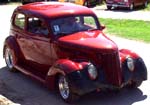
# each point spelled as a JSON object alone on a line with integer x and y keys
{"x": 130, "y": 29}
{"x": 14, "y": 3}
{"x": 11, "y": 3}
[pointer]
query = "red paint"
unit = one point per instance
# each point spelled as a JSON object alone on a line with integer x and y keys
{"x": 54, "y": 9}
{"x": 93, "y": 39}
{"x": 125, "y": 53}
{"x": 70, "y": 53}
{"x": 68, "y": 65}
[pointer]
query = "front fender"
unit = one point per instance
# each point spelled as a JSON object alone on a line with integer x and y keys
{"x": 139, "y": 73}
{"x": 63, "y": 67}
{"x": 124, "y": 53}
{"x": 140, "y": 70}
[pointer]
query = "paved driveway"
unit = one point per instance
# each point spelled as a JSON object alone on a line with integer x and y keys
{"x": 101, "y": 11}
{"x": 21, "y": 89}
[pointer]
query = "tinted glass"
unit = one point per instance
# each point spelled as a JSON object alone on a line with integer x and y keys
{"x": 68, "y": 25}
{"x": 37, "y": 26}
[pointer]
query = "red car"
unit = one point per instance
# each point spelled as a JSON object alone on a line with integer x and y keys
{"x": 63, "y": 46}
{"x": 130, "y": 4}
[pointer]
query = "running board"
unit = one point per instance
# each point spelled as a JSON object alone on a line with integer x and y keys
{"x": 29, "y": 73}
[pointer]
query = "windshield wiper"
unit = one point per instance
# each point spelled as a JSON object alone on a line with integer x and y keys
{"x": 62, "y": 33}
{"x": 92, "y": 29}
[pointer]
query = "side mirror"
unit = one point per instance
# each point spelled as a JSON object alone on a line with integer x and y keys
{"x": 102, "y": 27}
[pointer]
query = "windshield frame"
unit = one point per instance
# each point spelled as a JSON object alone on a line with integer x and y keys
{"x": 97, "y": 24}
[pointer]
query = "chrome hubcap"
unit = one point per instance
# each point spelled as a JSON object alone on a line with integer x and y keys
{"x": 145, "y": 4}
{"x": 63, "y": 87}
{"x": 86, "y": 4}
{"x": 131, "y": 7}
{"x": 8, "y": 58}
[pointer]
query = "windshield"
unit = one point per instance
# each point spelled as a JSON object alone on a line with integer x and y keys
{"x": 69, "y": 25}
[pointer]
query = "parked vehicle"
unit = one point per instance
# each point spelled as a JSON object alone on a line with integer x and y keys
{"x": 130, "y": 4}
{"x": 87, "y": 3}
{"x": 63, "y": 46}
{"x": 31, "y": 1}
{"x": 4, "y": 1}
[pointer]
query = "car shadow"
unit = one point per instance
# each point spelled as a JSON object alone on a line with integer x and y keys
{"x": 123, "y": 97}
{"x": 23, "y": 90}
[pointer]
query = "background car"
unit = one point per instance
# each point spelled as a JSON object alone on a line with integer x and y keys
{"x": 65, "y": 49}
{"x": 31, "y": 1}
{"x": 4, "y": 1}
{"x": 130, "y": 4}
{"x": 87, "y": 3}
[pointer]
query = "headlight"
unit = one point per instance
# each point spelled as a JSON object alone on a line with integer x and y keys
{"x": 130, "y": 64}
{"x": 125, "y": 0}
{"x": 92, "y": 71}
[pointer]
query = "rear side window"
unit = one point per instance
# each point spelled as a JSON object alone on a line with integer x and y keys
{"x": 37, "y": 26}
{"x": 20, "y": 21}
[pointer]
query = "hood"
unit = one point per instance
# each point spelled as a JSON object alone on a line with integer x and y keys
{"x": 89, "y": 39}
{"x": 104, "y": 49}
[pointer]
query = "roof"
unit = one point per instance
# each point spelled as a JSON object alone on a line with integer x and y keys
{"x": 54, "y": 9}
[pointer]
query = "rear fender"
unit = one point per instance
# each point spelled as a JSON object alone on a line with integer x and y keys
{"x": 12, "y": 43}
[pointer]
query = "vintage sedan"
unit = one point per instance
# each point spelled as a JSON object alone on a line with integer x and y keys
{"x": 130, "y": 4}
{"x": 63, "y": 46}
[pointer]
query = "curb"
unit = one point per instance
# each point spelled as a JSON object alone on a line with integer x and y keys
{"x": 5, "y": 101}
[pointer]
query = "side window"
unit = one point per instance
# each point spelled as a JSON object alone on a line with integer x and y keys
{"x": 20, "y": 21}
{"x": 37, "y": 26}
{"x": 90, "y": 21}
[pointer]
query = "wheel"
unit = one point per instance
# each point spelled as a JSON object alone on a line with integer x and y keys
{"x": 135, "y": 84}
{"x": 65, "y": 91}
{"x": 131, "y": 6}
{"x": 9, "y": 58}
{"x": 109, "y": 7}
{"x": 86, "y": 4}
{"x": 145, "y": 4}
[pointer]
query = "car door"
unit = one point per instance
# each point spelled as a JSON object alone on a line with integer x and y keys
{"x": 35, "y": 47}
